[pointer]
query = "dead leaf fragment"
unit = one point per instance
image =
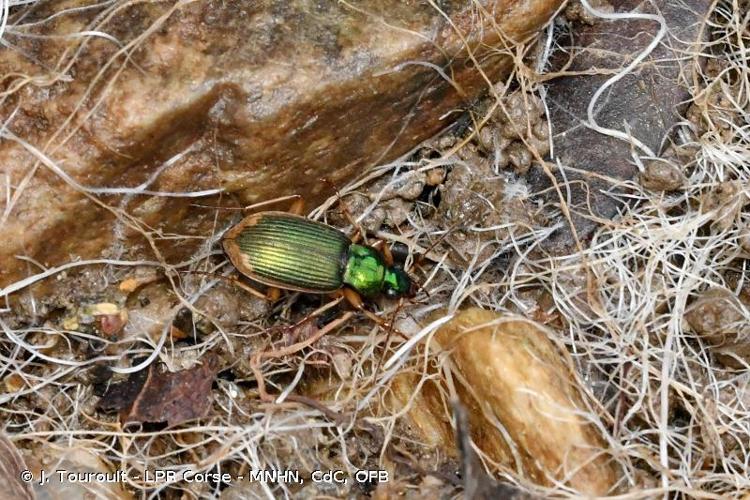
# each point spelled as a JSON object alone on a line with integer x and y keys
{"x": 122, "y": 395}
{"x": 153, "y": 395}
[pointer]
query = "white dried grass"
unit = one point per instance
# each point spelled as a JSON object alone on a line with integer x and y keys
{"x": 668, "y": 397}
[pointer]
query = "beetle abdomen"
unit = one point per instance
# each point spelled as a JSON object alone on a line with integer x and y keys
{"x": 288, "y": 251}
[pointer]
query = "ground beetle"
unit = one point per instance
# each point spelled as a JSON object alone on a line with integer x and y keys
{"x": 287, "y": 251}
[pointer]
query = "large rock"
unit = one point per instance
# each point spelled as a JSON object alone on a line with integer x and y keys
{"x": 257, "y": 99}
{"x": 647, "y": 104}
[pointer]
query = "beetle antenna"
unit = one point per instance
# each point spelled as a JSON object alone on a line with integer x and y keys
{"x": 423, "y": 255}
{"x": 358, "y": 230}
{"x": 254, "y": 205}
{"x": 215, "y": 207}
{"x": 419, "y": 285}
{"x": 388, "y": 336}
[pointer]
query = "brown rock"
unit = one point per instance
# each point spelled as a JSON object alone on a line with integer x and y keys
{"x": 256, "y": 99}
{"x": 646, "y": 104}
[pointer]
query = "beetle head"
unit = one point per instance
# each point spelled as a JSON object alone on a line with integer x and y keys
{"x": 398, "y": 284}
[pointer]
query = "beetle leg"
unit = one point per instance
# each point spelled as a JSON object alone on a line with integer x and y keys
{"x": 388, "y": 336}
{"x": 257, "y": 359}
{"x": 355, "y": 300}
{"x": 386, "y": 251}
{"x": 356, "y": 236}
{"x": 239, "y": 284}
{"x": 358, "y": 233}
{"x": 249, "y": 289}
{"x": 298, "y": 346}
{"x": 298, "y": 206}
{"x": 273, "y": 294}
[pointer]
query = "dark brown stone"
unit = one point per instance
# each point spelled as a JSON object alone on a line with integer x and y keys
{"x": 646, "y": 103}
{"x": 258, "y": 99}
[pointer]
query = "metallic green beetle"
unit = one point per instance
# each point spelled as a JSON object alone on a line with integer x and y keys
{"x": 291, "y": 252}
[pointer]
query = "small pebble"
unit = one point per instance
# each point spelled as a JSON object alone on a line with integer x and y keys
{"x": 662, "y": 176}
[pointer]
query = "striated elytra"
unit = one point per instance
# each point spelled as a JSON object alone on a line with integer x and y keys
{"x": 291, "y": 252}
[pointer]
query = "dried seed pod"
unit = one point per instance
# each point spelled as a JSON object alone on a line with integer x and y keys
{"x": 520, "y": 110}
{"x": 520, "y": 157}
{"x": 538, "y": 147}
{"x": 723, "y": 321}
{"x": 525, "y": 408}
{"x": 725, "y": 201}
{"x": 407, "y": 186}
{"x": 446, "y": 141}
{"x": 435, "y": 176}
{"x": 540, "y": 130}
{"x": 576, "y": 13}
{"x": 485, "y": 138}
{"x": 396, "y": 211}
{"x": 662, "y": 176}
